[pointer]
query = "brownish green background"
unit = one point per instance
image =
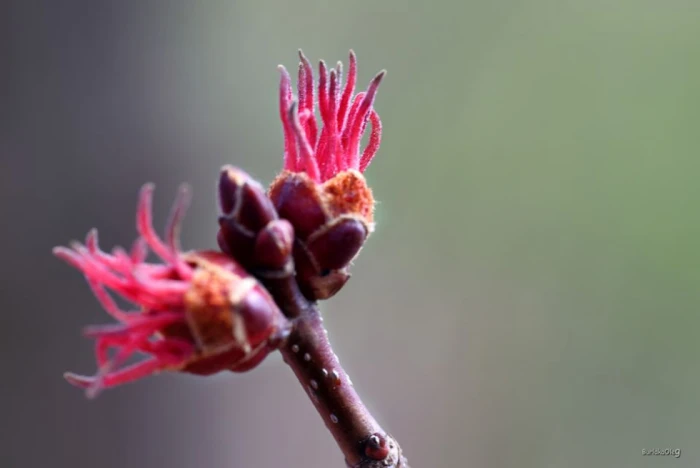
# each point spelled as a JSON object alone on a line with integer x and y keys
{"x": 530, "y": 297}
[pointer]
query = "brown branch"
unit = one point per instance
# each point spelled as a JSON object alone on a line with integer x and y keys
{"x": 308, "y": 352}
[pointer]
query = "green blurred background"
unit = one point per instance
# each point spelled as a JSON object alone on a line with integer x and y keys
{"x": 529, "y": 299}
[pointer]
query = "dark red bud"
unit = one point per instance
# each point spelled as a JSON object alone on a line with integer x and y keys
{"x": 236, "y": 241}
{"x": 221, "y": 240}
{"x": 246, "y": 210}
{"x": 217, "y": 362}
{"x": 376, "y": 447}
{"x": 256, "y": 209}
{"x": 230, "y": 181}
{"x": 297, "y": 199}
{"x": 244, "y": 200}
{"x": 273, "y": 246}
{"x": 304, "y": 264}
{"x": 228, "y": 314}
{"x": 258, "y": 311}
{"x": 327, "y": 284}
{"x": 252, "y": 361}
{"x": 337, "y": 243}
{"x": 331, "y": 222}
{"x": 316, "y": 283}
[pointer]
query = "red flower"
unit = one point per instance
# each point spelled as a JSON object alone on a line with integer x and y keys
{"x": 200, "y": 312}
{"x": 322, "y": 191}
{"x": 337, "y": 148}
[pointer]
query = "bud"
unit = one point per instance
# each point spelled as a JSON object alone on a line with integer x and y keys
{"x": 322, "y": 191}
{"x": 273, "y": 246}
{"x": 200, "y": 312}
{"x": 376, "y": 447}
{"x": 249, "y": 228}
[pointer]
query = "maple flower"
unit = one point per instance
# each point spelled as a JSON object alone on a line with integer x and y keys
{"x": 200, "y": 312}
{"x": 344, "y": 117}
{"x": 321, "y": 190}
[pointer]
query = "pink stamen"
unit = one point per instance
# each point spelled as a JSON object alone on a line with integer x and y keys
{"x": 126, "y": 375}
{"x": 158, "y": 288}
{"x": 147, "y": 291}
{"x": 139, "y": 250}
{"x": 290, "y": 150}
{"x": 172, "y": 230}
{"x": 91, "y": 269}
{"x": 144, "y": 224}
{"x": 336, "y": 161}
{"x": 138, "y": 254}
{"x": 360, "y": 118}
{"x": 308, "y": 103}
{"x": 166, "y": 352}
{"x": 351, "y": 117}
{"x": 109, "y": 305}
{"x": 301, "y": 87}
{"x": 344, "y": 120}
{"x": 326, "y": 149}
{"x": 307, "y": 154}
{"x": 374, "y": 140}
{"x": 102, "y": 347}
{"x": 339, "y": 76}
{"x": 323, "y": 90}
{"x": 143, "y": 324}
{"x": 93, "y": 246}
{"x": 347, "y": 92}
{"x": 124, "y": 353}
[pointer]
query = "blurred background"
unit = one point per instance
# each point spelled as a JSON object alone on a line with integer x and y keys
{"x": 529, "y": 299}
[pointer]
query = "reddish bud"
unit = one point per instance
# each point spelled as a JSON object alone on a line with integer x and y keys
{"x": 335, "y": 244}
{"x": 247, "y": 213}
{"x": 326, "y": 285}
{"x": 298, "y": 199}
{"x": 274, "y": 244}
{"x": 376, "y": 447}
{"x": 331, "y": 222}
{"x": 243, "y": 199}
{"x": 315, "y": 282}
{"x": 199, "y": 312}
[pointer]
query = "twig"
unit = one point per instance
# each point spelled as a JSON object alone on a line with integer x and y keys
{"x": 308, "y": 352}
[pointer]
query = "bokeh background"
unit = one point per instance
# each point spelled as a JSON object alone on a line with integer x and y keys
{"x": 529, "y": 299}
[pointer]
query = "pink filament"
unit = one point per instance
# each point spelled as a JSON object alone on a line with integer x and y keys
{"x": 308, "y": 102}
{"x": 360, "y": 118}
{"x": 344, "y": 118}
{"x": 374, "y": 140}
{"x": 290, "y": 151}
{"x": 158, "y": 288}
{"x": 348, "y": 91}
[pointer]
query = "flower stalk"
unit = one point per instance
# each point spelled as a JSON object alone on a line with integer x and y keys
{"x": 309, "y": 354}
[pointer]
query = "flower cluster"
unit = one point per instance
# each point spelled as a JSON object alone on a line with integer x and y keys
{"x": 200, "y": 312}
{"x": 203, "y": 311}
{"x": 322, "y": 191}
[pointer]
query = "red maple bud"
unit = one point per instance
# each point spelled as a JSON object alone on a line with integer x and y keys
{"x": 322, "y": 191}
{"x": 200, "y": 312}
{"x": 249, "y": 228}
